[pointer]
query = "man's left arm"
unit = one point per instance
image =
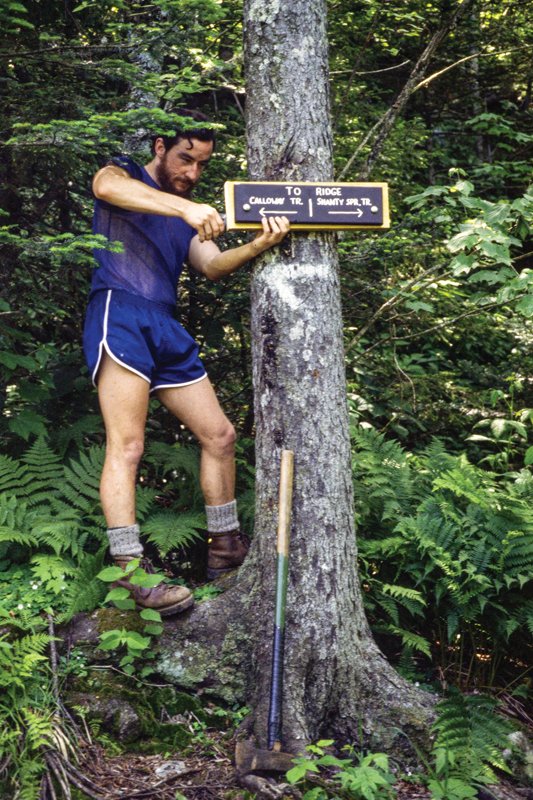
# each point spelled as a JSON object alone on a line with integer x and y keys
{"x": 215, "y": 264}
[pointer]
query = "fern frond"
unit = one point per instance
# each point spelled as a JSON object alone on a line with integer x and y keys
{"x": 77, "y": 432}
{"x": 469, "y": 727}
{"x": 39, "y": 728}
{"x": 468, "y": 482}
{"x": 44, "y": 469}
{"x": 20, "y": 659}
{"x": 52, "y": 571}
{"x": 144, "y": 500}
{"x": 177, "y": 458}
{"x": 16, "y": 537}
{"x": 389, "y": 606}
{"x": 81, "y": 480}
{"x": 382, "y": 548}
{"x": 85, "y": 591}
{"x": 383, "y": 483}
{"x": 409, "y": 639}
{"x": 14, "y": 525}
{"x": 14, "y": 478}
{"x": 170, "y": 531}
{"x": 403, "y": 593}
{"x": 436, "y": 459}
{"x": 62, "y": 532}
{"x": 28, "y": 777}
{"x": 518, "y": 554}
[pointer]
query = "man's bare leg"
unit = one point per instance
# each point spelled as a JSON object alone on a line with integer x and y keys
{"x": 123, "y": 397}
{"x": 197, "y": 407}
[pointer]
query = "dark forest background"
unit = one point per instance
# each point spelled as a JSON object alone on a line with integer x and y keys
{"x": 433, "y": 98}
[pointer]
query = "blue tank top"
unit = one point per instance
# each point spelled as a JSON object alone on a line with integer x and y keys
{"x": 154, "y": 246}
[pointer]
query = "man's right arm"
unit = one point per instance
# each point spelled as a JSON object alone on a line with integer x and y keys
{"x": 113, "y": 185}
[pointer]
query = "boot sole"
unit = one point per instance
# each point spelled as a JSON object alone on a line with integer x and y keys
{"x": 177, "y": 608}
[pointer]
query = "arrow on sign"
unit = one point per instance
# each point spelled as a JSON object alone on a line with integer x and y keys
{"x": 357, "y": 211}
{"x": 279, "y": 211}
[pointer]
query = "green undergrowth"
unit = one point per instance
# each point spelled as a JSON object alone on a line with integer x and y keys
{"x": 446, "y": 560}
{"x": 470, "y": 749}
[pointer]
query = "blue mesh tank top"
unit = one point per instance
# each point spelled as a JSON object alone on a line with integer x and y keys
{"x": 154, "y": 246}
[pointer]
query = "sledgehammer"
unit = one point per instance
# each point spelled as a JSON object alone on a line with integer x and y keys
{"x": 247, "y": 757}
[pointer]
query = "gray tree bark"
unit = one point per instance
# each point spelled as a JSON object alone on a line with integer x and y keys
{"x": 336, "y": 679}
{"x": 337, "y": 682}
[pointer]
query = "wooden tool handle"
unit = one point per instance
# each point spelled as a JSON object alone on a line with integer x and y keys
{"x": 282, "y": 568}
{"x": 285, "y": 501}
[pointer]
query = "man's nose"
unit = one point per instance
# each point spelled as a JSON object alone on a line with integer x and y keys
{"x": 193, "y": 172}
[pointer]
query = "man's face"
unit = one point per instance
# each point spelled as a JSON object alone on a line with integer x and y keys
{"x": 179, "y": 169}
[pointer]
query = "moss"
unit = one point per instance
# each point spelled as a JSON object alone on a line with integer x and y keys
{"x": 173, "y": 701}
{"x": 108, "y": 619}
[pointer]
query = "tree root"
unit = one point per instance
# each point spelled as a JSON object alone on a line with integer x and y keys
{"x": 268, "y": 789}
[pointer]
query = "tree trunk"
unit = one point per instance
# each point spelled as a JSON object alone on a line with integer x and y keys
{"x": 336, "y": 681}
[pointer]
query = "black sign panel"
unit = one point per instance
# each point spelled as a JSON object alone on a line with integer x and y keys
{"x": 308, "y": 206}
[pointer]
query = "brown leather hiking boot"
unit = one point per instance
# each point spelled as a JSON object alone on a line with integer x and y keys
{"x": 225, "y": 551}
{"x": 165, "y": 598}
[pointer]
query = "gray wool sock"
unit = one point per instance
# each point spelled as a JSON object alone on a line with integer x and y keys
{"x": 221, "y": 519}
{"x": 125, "y": 541}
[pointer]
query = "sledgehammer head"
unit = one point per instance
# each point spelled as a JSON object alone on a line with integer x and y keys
{"x": 250, "y": 759}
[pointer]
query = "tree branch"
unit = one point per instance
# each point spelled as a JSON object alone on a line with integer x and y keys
{"x": 442, "y": 324}
{"x": 385, "y": 124}
{"x": 371, "y": 71}
{"x": 390, "y": 303}
{"x": 423, "y": 84}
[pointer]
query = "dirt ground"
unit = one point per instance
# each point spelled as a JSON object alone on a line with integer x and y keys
{"x": 208, "y": 776}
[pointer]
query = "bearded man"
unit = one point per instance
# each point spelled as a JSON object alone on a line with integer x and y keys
{"x": 135, "y": 346}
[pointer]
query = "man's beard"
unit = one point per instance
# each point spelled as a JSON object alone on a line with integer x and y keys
{"x": 167, "y": 184}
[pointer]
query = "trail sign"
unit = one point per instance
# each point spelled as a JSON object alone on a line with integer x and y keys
{"x": 308, "y": 206}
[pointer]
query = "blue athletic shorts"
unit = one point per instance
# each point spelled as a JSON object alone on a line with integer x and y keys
{"x": 142, "y": 336}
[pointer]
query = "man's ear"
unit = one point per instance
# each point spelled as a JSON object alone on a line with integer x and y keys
{"x": 159, "y": 147}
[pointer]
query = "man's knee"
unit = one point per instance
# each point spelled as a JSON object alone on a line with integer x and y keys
{"x": 129, "y": 450}
{"x": 221, "y": 441}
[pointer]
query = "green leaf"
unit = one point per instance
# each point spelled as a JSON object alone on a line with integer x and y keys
{"x": 119, "y": 593}
{"x": 110, "y": 640}
{"x": 125, "y": 605}
{"x": 135, "y": 640}
{"x": 525, "y": 305}
{"x": 109, "y": 574}
{"x": 153, "y": 629}
{"x": 298, "y": 772}
{"x": 150, "y": 614}
{"x": 28, "y": 423}
{"x": 142, "y": 578}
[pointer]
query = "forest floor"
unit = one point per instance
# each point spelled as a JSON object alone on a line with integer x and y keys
{"x": 209, "y": 775}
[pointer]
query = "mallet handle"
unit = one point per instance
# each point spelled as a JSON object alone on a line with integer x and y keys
{"x": 282, "y": 566}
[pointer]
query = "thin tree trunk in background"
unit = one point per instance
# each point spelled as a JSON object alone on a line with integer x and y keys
{"x": 379, "y": 133}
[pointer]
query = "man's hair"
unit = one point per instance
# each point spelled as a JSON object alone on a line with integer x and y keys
{"x": 198, "y": 131}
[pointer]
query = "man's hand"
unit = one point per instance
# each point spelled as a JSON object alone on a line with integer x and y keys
{"x": 207, "y": 258}
{"x": 114, "y": 185}
{"x": 274, "y": 231}
{"x": 203, "y": 218}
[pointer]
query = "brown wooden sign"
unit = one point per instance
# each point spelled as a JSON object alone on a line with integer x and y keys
{"x": 308, "y": 206}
